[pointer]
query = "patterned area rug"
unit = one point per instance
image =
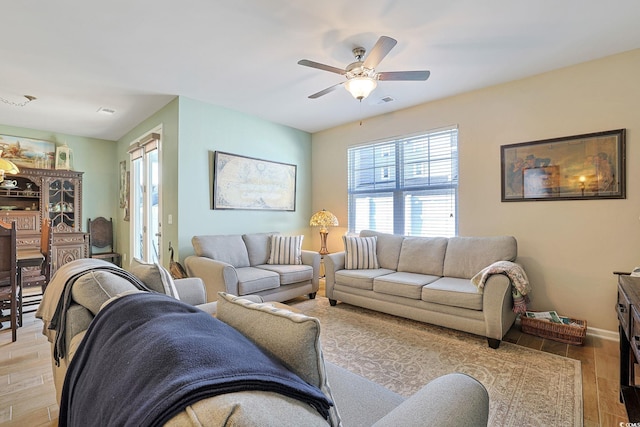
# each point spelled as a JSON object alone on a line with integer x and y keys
{"x": 526, "y": 387}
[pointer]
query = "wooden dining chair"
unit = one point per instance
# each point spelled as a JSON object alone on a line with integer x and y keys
{"x": 29, "y": 303}
{"x": 101, "y": 240}
{"x": 9, "y": 277}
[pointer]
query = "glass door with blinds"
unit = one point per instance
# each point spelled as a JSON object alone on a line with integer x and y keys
{"x": 405, "y": 186}
{"x": 145, "y": 209}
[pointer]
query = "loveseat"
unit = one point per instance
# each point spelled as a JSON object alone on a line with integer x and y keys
{"x": 427, "y": 279}
{"x": 247, "y": 264}
{"x": 101, "y": 290}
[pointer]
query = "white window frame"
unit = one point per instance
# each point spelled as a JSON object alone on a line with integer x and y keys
{"x": 139, "y": 151}
{"x": 386, "y": 178}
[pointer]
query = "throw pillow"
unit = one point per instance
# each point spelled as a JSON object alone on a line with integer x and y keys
{"x": 155, "y": 276}
{"x": 293, "y": 338}
{"x": 286, "y": 250}
{"x": 258, "y": 247}
{"x": 360, "y": 253}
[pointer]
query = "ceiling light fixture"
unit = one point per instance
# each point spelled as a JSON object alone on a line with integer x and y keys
{"x": 19, "y": 104}
{"x": 361, "y": 87}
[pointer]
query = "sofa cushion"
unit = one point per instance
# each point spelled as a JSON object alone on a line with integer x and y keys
{"x": 293, "y": 338}
{"x": 423, "y": 255}
{"x": 453, "y": 292}
{"x": 402, "y": 284}
{"x": 466, "y": 256}
{"x": 258, "y": 247}
{"x": 360, "y": 253}
{"x": 361, "y": 279}
{"x": 286, "y": 250}
{"x": 252, "y": 280}
{"x": 290, "y": 273}
{"x": 229, "y": 248}
{"x": 155, "y": 276}
{"x": 388, "y": 248}
{"x": 248, "y": 408}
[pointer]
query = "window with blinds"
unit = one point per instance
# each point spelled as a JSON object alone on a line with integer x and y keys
{"x": 405, "y": 186}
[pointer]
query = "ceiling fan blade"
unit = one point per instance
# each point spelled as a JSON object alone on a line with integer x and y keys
{"x": 320, "y": 66}
{"x": 404, "y": 75}
{"x": 382, "y": 47}
{"x": 325, "y": 91}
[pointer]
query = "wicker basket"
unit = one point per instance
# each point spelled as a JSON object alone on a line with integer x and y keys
{"x": 570, "y": 334}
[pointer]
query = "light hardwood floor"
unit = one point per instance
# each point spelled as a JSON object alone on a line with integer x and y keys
{"x": 27, "y": 394}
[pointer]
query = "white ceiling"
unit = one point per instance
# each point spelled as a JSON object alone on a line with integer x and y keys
{"x": 134, "y": 56}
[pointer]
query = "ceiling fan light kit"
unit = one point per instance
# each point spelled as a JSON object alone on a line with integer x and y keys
{"x": 360, "y": 87}
{"x": 361, "y": 75}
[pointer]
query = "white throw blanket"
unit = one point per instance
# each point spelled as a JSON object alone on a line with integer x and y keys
{"x": 519, "y": 282}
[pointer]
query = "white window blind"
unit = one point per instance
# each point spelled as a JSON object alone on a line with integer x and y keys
{"x": 405, "y": 186}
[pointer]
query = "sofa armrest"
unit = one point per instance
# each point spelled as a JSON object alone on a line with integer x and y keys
{"x": 497, "y": 305}
{"x": 217, "y": 276}
{"x": 191, "y": 290}
{"x": 78, "y": 319}
{"x": 332, "y": 263}
{"x": 439, "y": 404}
{"x": 313, "y": 259}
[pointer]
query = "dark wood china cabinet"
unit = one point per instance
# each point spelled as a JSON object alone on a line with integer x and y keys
{"x": 46, "y": 193}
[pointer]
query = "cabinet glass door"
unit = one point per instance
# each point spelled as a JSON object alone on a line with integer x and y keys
{"x": 62, "y": 203}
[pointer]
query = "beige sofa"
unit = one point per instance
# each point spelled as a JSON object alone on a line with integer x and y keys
{"x": 238, "y": 264}
{"x": 428, "y": 279}
{"x": 358, "y": 402}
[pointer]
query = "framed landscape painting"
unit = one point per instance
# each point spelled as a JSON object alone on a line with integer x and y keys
{"x": 241, "y": 182}
{"x": 589, "y": 166}
{"x": 27, "y": 152}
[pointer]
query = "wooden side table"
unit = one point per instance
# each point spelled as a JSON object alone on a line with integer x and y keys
{"x": 628, "y": 310}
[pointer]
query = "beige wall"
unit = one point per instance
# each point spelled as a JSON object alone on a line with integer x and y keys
{"x": 568, "y": 248}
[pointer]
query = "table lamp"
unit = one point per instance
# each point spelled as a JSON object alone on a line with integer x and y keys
{"x": 323, "y": 219}
{"x": 7, "y": 166}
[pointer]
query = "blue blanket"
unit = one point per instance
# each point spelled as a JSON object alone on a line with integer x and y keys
{"x": 146, "y": 357}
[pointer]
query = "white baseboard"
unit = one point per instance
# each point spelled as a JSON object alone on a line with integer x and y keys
{"x": 603, "y": 333}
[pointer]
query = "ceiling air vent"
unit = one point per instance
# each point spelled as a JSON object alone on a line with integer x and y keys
{"x": 104, "y": 110}
{"x": 385, "y": 100}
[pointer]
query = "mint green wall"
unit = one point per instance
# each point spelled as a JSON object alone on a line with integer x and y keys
{"x": 191, "y": 131}
{"x": 96, "y": 158}
{"x": 205, "y": 128}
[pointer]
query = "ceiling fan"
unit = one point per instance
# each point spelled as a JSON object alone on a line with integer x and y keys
{"x": 362, "y": 77}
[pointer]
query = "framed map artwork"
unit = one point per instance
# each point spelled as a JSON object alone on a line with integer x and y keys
{"x": 248, "y": 183}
